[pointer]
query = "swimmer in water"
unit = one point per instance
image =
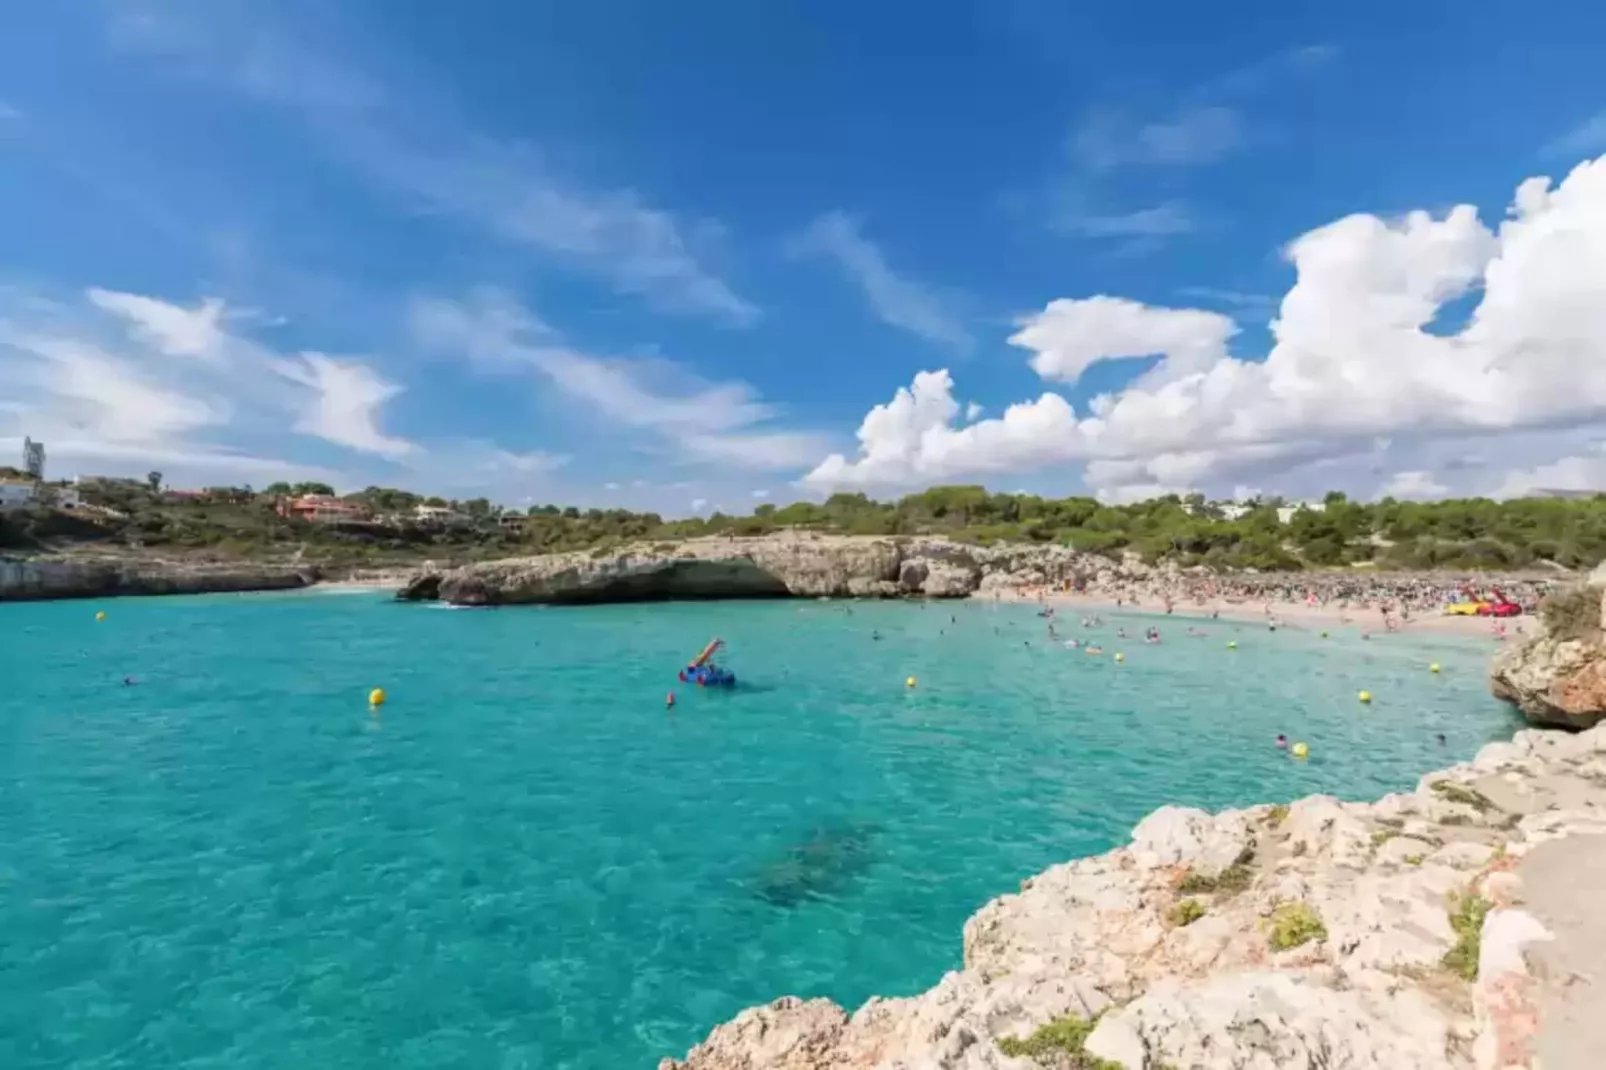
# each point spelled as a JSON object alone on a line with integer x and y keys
{"x": 128, "y": 681}
{"x": 1441, "y": 739}
{"x": 1120, "y": 633}
{"x": 875, "y": 636}
{"x": 1282, "y": 741}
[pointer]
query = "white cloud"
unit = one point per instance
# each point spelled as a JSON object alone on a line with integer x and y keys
{"x": 1357, "y": 357}
{"x": 347, "y": 398}
{"x": 1585, "y": 139}
{"x": 1416, "y": 484}
{"x": 1195, "y": 135}
{"x": 894, "y": 299}
{"x": 1161, "y": 221}
{"x": 130, "y": 380}
{"x": 610, "y": 486}
{"x": 1580, "y": 472}
{"x": 1069, "y": 336}
{"x": 761, "y": 494}
{"x": 973, "y": 411}
{"x": 719, "y": 423}
{"x": 168, "y": 328}
{"x": 697, "y": 504}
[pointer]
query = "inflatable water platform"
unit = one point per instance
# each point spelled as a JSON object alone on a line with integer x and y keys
{"x": 704, "y": 673}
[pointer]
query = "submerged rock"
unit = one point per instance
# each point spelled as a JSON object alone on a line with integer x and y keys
{"x": 819, "y": 867}
{"x": 1323, "y": 936}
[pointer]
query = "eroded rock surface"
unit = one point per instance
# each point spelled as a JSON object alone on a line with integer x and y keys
{"x": 789, "y": 565}
{"x": 1558, "y": 677}
{"x": 1324, "y": 936}
{"x": 42, "y": 579}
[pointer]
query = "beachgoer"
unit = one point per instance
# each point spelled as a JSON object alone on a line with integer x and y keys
{"x": 1282, "y": 741}
{"x": 1441, "y": 739}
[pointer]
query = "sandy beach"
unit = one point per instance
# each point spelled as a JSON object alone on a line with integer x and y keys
{"x": 1320, "y": 616}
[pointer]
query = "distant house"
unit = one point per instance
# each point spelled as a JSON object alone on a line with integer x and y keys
{"x": 435, "y": 514}
{"x": 1286, "y": 513}
{"x": 511, "y": 521}
{"x": 17, "y": 494}
{"x": 322, "y": 509}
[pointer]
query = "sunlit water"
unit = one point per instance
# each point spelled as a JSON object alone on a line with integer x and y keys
{"x": 526, "y": 862}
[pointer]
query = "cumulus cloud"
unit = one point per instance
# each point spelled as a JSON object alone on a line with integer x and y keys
{"x": 1069, "y": 336}
{"x": 1358, "y": 356}
{"x": 896, "y": 300}
{"x": 1577, "y": 472}
{"x": 1417, "y": 484}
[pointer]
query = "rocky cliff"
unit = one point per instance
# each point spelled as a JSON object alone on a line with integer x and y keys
{"x": 1317, "y": 936}
{"x": 1558, "y": 677}
{"x": 780, "y": 566}
{"x": 38, "y": 579}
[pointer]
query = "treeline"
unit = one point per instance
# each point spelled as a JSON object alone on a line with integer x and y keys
{"x": 1266, "y": 534}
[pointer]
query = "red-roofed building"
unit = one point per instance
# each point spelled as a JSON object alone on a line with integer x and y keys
{"x": 322, "y": 509}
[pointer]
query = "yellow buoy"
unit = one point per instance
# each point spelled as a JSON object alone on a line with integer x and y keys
{"x": 909, "y": 682}
{"x": 1120, "y": 657}
{"x": 1232, "y": 644}
{"x": 1299, "y": 750}
{"x": 1434, "y": 667}
{"x": 1365, "y": 696}
{"x": 101, "y": 615}
{"x": 376, "y": 697}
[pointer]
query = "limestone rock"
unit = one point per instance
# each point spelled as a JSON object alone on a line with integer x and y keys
{"x": 40, "y": 579}
{"x": 776, "y": 566}
{"x": 1098, "y": 938}
{"x": 1175, "y": 835}
{"x": 789, "y": 1034}
{"x": 1557, "y": 680}
{"x": 1272, "y": 1021}
{"x": 422, "y": 587}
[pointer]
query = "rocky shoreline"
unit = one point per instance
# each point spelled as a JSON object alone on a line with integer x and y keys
{"x": 37, "y": 579}
{"x": 1454, "y": 927}
{"x": 1321, "y": 935}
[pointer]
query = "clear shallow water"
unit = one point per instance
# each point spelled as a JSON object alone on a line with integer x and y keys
{"x": 525, "y": 863}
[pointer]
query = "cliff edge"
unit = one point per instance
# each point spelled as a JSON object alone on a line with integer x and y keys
{"x": 777, "y": 566}
{"x": 40, "y": 579}
{"x": 1317, "y": 936}
{"x": 1558, "y": 677}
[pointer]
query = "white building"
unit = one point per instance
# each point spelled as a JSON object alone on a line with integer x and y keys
{"x": 17, "y": 495}
{"x": 1286, "y": 513}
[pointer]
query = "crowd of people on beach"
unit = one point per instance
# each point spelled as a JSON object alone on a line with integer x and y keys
{"x": 1407, "y": 595}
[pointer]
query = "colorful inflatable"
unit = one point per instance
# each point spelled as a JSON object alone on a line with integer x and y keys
{"x": 704, "y": 673}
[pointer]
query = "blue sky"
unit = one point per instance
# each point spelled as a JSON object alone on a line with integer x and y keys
{"x": 677, "y": 255}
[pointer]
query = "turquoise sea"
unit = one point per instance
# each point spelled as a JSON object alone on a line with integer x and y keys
{"x": 524, "y": 861}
